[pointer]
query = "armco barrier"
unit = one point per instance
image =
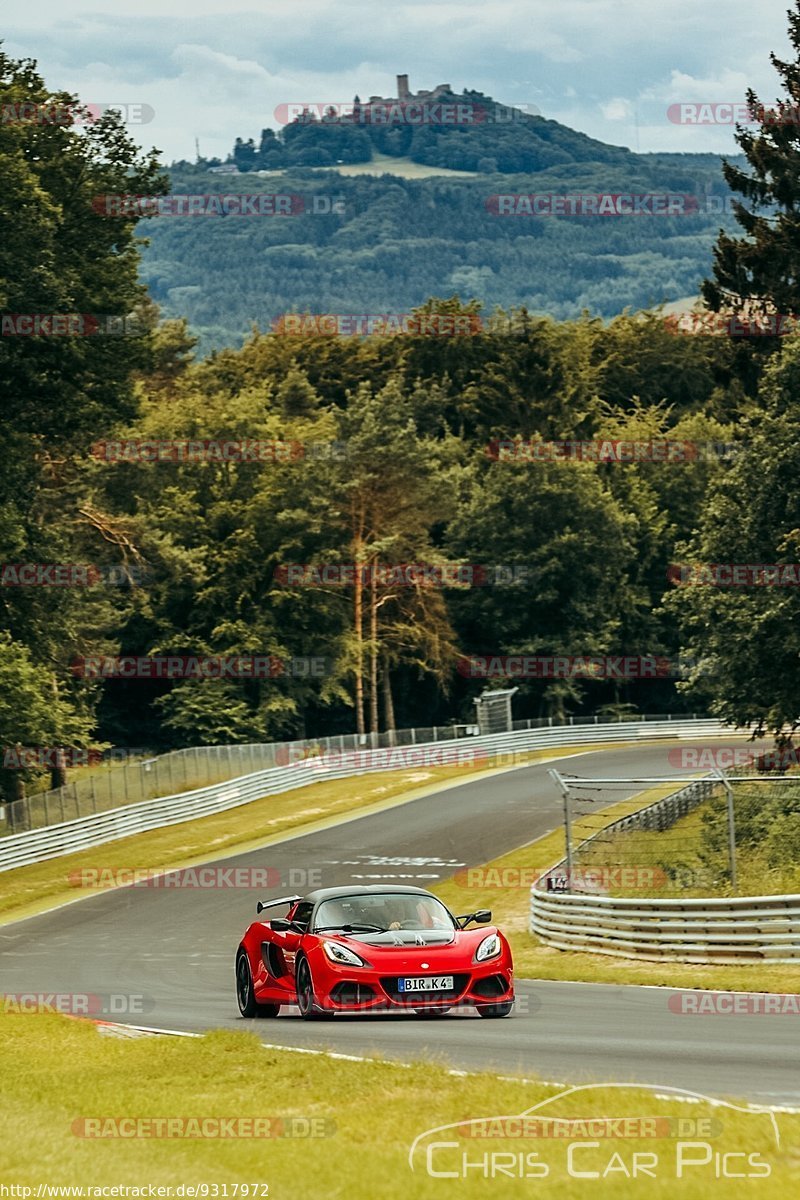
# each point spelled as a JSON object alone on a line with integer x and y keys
{"x": 704, "y": 930}
{"x": 22, "y": 849}
{"x": 741, "y": 929}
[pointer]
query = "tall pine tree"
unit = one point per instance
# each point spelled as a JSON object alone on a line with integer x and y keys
{"x": 760, "y": 272}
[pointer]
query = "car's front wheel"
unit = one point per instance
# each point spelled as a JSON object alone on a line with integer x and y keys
{"x": 304, "y": 986}
{"x": 496, "y": 1010}
{"x": 246, "y": 993}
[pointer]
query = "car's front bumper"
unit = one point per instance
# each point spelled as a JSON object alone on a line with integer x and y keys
{"x": 375, "y": 991}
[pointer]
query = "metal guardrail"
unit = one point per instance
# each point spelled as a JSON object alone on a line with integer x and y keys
{"x": 747, "y": 928}
{"x": 22, "y": 849}
{"x": 701, "y": 930}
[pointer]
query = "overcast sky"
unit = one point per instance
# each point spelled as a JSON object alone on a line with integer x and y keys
{"x": 610, "y": 68}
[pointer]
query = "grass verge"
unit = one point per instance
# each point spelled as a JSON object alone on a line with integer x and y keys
{"x": 404, "y": 168}
{"x": 533, "y": 959}
{"x": 57, "y": 1073}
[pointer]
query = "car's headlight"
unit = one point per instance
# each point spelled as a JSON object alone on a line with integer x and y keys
{"x": 490, "y": 947}
{"x": 338, "y": 953}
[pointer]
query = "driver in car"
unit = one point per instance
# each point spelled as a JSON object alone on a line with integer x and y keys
{"x": 412, "y": 913}
{"x": 396, "y": 913}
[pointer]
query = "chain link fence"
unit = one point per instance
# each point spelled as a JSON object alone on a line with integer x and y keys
{"x": 731, "y": 833}
{"x": 649, "y": 851}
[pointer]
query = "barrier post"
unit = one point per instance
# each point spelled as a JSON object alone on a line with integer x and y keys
{"x": 559, "y": 782}
{"x": 731, "y": 826}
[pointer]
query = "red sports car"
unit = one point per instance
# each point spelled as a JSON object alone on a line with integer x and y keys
{"x": 370, "y": 949}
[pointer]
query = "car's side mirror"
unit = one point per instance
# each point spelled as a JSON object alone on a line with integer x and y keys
{"x": 482, "y": 917}
{"x": 280, "y": 924}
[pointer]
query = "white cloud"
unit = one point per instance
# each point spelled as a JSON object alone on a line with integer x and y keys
{"x": 212, "y": 63}
{"x": 618, "y": 109}
{"x": 607, "y": 67}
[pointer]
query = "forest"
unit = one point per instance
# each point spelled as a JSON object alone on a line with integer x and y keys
{"x": 159, "y": 501}
{"x": 385, "y": 244}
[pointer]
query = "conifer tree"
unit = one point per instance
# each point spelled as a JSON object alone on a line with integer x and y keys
{"x": 760, "y": 272}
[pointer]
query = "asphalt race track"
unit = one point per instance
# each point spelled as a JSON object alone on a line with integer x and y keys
{"x": 175, "y": 949}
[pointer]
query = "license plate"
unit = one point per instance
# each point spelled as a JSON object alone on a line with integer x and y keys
{"x": 426, "y": 983}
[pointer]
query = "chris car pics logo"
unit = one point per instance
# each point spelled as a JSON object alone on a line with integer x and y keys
{"x": 568, "y": 1136}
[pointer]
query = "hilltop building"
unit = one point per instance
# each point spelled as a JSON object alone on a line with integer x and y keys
{"x": 405, "y": 95}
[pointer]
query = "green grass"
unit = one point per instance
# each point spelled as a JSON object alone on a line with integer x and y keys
{"x": 510, "y": 904}
{"x": 57, "y": 1071}
{"x": 679, "y": 846}
{"x": 387, "y": 164}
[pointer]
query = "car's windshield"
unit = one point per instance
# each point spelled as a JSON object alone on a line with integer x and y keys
{"x": 383, "y": 911}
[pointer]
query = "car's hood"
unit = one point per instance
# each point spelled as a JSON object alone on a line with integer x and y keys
{"x": 403, "y": 939}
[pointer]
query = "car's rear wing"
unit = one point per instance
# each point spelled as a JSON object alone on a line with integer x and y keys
{"x": 262, "y": 904}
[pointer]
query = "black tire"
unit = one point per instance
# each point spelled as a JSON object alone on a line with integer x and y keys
{"x": 495, "y": 1010}
{"x": 304, "y": 986}
{"x": 245, "y": 992}
{"x": 428, "y": 1013}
